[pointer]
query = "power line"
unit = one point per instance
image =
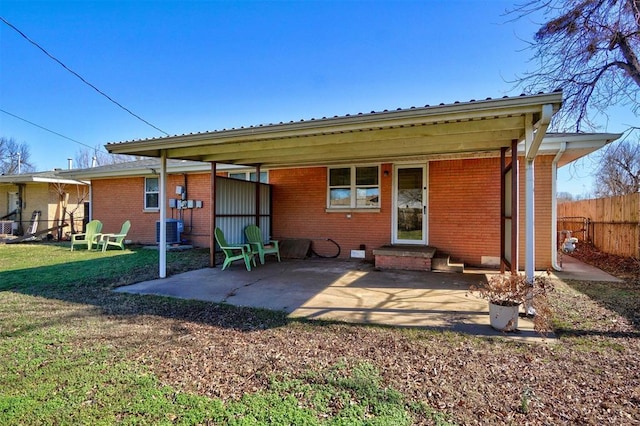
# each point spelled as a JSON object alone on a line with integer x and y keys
{"x": 48, "y": 130}
{"x": 80, "y": 77}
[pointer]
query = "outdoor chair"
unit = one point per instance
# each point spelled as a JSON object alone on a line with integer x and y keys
{"x": 254, "y": 238}
{"x": 233, "y": 252}
{"x": 89, "y": 238}
{"x": 115, "y": 240}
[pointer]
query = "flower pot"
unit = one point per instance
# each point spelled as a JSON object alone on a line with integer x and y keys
{"x": 503, "y": 318}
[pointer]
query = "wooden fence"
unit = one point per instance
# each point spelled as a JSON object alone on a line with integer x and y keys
{"x": 611, "y": 224}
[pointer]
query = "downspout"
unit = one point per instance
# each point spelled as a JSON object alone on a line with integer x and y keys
{"x": 162, "y": 200}
{"x": 554, "y": 207}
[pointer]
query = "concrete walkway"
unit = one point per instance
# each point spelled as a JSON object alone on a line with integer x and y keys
{"x": 353, "y": 291}
{"x": 573, "y": 269}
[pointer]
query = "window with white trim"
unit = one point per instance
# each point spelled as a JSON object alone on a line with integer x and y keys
{"x": 151, "y": 193}
{"x": 250, "y": 176}
{"x": 353, "y": 187}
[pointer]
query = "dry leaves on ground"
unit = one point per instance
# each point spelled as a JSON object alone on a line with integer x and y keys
{"x": 590, "y": 376}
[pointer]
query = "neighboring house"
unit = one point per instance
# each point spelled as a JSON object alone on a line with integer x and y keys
{"x": 53, "y": 197}
{"x": 430, "y": 176}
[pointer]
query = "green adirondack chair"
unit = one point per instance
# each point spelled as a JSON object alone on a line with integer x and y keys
{"x": 254, "y": 237}
{"x": 115, "y": 240}
{"x": 233, "y": 252}
{"x": 89, "y": 238}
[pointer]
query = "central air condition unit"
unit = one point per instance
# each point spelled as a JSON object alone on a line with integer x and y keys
{"x": 174, "y": 229}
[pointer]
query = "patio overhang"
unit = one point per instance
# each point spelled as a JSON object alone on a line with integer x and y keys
{"x": 469, "y": 127}
{"x": 472, "y": 127}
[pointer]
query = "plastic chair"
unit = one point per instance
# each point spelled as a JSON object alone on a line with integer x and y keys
{"x": 254, "y": 237}
{"x": 115, "y": 240}
{"x": 88, "y": 238}
{"x": 233, "y": 252}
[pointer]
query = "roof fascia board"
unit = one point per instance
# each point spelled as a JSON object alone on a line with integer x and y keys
{"x": 63, "y": 181}
{"x": 551, "y": 143}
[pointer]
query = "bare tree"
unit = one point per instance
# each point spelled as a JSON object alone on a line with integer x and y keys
{"x": 564, "y": 197}
{"x": 67, "y": 207}
{"x": 14, "y": 157}
{"x": 619, "y": 171}
{"x": 590, "y": 50}
{"x": 86, "y": 158}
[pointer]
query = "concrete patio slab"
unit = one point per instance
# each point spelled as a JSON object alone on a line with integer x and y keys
{"x": 349, "y": 291}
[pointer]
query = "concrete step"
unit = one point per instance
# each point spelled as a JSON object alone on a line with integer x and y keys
{"x": 444, "y": 263}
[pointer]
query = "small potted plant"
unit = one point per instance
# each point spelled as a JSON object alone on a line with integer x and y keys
{"x": 506, "y": 292}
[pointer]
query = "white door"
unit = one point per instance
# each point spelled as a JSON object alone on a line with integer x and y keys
{"x": 410, "y": 205}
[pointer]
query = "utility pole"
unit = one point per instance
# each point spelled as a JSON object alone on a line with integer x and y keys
{"x": 19, "y": 160}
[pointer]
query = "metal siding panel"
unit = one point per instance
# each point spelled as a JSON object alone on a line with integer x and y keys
{"x": 235, "y": 205}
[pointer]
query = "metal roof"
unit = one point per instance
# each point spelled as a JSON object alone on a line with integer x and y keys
{"x": 146, "y": 166}
{"x": 51, "y": 176}
{"x": 461, "y": 127}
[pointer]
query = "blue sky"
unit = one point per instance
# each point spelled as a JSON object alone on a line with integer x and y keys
{"x": 196, "y": 66}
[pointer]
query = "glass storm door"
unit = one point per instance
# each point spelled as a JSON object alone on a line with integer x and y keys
{"x": 410, "y": 205}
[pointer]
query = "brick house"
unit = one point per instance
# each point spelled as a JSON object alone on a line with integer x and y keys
{"x": 437, "y": 176}
{"x": 51, "y": 195}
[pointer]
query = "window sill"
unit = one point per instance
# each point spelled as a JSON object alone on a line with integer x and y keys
{"x": 354, "y": 210}
{"x": 150, "y": 210}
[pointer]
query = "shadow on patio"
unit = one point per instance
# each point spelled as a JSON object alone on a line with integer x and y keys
{"x": 337, "y": 290}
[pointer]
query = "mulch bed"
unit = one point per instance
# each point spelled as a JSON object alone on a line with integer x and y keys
{"x": 621, "y": 267}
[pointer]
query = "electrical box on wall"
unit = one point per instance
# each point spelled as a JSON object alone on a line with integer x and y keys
{"x": 190, "y": 204}
{"x": 179, "y": 190}
{"x": 198, "y": 204}
{"x": 172, "y": 203}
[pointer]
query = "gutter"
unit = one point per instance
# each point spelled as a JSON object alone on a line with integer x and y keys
{"x": 554, "y": 208}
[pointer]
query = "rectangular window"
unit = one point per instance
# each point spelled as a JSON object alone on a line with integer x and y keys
{"x": 250, "y": 176}
{"x": 151, "y": 193}
{"x": 354, "y": 187}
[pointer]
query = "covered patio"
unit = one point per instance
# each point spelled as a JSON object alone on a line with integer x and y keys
{"x": 461, "y": 130}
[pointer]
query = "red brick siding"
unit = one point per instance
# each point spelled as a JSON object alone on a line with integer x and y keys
{"x": 403, "y": 262}
{"x": 464, "y": 208}
{"x": 118, "y": 199}
{"x": 299, "y": 211}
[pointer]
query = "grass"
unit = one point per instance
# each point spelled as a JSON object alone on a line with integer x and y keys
{"x": 66, "y": 358}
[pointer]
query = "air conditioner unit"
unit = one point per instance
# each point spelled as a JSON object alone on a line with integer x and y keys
{"x": 174, "y": 229}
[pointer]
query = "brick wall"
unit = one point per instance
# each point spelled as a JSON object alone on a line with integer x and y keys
{"x": 464, "y": 208}
{"x": 118, "y": 199}
{"x": 299, "y": 211}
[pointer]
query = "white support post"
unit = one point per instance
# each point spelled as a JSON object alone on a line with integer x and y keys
{"x": 162, "y": 200}
{"x": 530, "y": 255}
{"x": 529, "y": 192}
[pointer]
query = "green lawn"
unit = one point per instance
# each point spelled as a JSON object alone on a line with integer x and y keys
{"x": 68, "y": 354}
